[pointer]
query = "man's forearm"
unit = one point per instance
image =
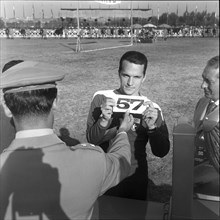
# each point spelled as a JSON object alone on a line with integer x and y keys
{"x": 95, "y": 133}
{"x": 118, "y": 161}
{"x": 159, "y": 141}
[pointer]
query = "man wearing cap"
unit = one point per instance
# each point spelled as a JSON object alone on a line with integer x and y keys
{"x": 42, "y": 178}
{"x": 206, "y": 121}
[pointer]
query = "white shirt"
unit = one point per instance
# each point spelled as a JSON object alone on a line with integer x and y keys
{"x": 217, "y": 102}
{"x": 34, "y": 133}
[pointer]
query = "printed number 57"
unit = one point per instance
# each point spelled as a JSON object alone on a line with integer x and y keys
{"x": 125, "y": 103}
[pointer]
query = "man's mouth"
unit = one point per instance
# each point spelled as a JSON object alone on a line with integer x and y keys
{"x": 129, "y": 88}
{"x": 207, "y": 92}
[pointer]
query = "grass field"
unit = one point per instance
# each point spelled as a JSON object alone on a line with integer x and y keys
{"x": 173, "y": 81}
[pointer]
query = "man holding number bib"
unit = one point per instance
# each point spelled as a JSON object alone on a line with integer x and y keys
{"x": 106, "y": 112}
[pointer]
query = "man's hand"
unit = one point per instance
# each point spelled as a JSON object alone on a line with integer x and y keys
{"x": 107, "y": 110}
{"x": 150, "y": 115}
{"x": 127, "y": 122}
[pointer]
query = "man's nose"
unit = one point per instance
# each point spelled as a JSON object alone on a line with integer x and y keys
{"x": 130, "y": 81}
{"x": 204, "y": 85}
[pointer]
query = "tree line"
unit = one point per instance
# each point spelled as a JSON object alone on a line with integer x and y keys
{"x": 191, "y": 19}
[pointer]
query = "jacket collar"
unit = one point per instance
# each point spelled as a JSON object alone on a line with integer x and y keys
{"x": 35, "y": 142}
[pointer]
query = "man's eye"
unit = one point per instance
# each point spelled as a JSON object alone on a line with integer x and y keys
{"x": 125, "y": 75}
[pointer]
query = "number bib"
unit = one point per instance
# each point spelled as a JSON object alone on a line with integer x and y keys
{"x": 132, "y": 103}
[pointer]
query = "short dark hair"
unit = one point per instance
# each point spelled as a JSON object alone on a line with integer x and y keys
{"x": 134, "y": 57}
{"x": 213, "y": 62}
{"x": 30, "y": 103}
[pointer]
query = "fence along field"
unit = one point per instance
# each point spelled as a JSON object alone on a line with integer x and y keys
{"x": 173, "y": 81}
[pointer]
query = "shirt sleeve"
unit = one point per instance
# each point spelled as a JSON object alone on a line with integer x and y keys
{"x": 159, "y": 138}
{"x": 95, "y": 133}
{"x": 117, "y": 162}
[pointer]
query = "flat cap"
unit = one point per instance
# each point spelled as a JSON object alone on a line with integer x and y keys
{"x": 30, "y": 75}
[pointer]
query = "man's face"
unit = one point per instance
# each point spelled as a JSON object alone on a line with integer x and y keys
{"x": 131, "y": 78}
{"x": 210, "y": 83}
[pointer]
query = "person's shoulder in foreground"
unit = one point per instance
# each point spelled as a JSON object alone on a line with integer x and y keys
{"x": 49, "y": 175}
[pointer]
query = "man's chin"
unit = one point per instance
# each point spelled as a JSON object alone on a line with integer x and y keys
{"x": 207, "y": 94}
{"x": 129, "y": 91}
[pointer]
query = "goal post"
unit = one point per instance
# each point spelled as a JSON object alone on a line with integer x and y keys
{"x": 121, "y": 12}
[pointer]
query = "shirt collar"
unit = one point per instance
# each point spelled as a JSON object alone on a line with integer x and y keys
{"x": 217, "y": 102}
{"x": 34, "y": 133}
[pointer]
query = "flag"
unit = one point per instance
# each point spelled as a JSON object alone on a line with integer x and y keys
{"x": 13, "y": 11}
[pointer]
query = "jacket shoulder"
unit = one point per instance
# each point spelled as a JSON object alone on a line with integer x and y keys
{"x": 87, "y": 146}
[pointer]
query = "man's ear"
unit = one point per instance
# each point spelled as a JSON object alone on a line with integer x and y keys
{"x": 144, "y": 78}
{"x": 7, "y": 110}
{"x": 54, "y": 106}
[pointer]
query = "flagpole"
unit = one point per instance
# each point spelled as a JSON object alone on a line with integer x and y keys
{"x": 205, "y": 13}
{"x": 177, "y": 12}
{"x": 23, "y": 13}
{"x": 132, "y": 37}
{"x": 33, "y": 11}
{"x": 5, "y": 12}
{"x": 78, "y": 33}
{"x": 215, "y": 14}
{"x": 168, "y": 11}
{"x": 13, "y": 11}
{"x": 196, "y": 15}
{"x": 158, "y": 14}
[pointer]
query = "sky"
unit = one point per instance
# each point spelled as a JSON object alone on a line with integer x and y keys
{"x": 25, "y": 8}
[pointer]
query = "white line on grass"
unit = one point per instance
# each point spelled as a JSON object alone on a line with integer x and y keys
{"x": 105, "y": 48}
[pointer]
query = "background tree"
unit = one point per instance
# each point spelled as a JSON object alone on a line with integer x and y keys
{"x": 162, "y": 19}
{"x": 154, "y": 20}
{"x": 172, "y": 18}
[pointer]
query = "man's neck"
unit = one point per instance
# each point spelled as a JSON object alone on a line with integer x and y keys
{"x": 33, "y": 123}
{"x": 119, "y": 91}
{"x": 33, "y": 133}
